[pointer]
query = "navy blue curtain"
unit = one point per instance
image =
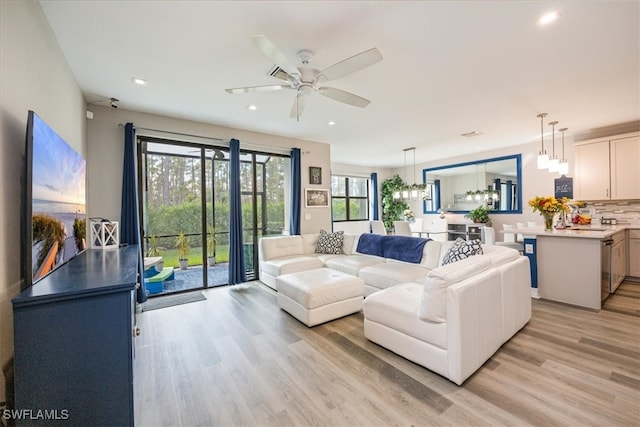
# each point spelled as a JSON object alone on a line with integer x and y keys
{"x": 374, "y": 195}
{"x": 296, "y": 190}
{"x": 237, "y": 273}
{"x": 509, "y": 195}
{"x": 436, "y": 195}
{"x": 129, "y": 210}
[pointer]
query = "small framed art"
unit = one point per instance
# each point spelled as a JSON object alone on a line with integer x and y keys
{"x": 316, "y": 198}
{"x": 315, "y": 175}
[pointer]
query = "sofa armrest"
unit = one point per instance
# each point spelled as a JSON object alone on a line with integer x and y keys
{"x": 474, "y": 323}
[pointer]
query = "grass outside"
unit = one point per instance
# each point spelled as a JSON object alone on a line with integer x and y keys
{"x": 170, "y": 256}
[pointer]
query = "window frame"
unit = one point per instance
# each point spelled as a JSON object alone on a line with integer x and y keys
{"x": 347, "y": 198}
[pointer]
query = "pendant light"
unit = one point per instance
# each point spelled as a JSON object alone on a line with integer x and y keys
{"x": 406, "y": 194}
{"x": 543, "y": 157}
{"x": 415, "y": 191}
{"x": 563, "y": 167}
{"x": 553, "y": 160}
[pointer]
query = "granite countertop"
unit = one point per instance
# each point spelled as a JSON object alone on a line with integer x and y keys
{"x": 592, "y": 231}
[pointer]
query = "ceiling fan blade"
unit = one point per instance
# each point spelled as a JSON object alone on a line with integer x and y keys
{"x": 344, "y": 96}
{"x": 298, "y": 104}
{"x": 352, "y": 64}
{"x": 250, "y": 89}
{"x": 273, "y": 54}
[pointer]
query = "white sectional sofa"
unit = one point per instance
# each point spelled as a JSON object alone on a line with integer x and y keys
{"x": 448, "y": 318}
{"x": 290, "y": 254}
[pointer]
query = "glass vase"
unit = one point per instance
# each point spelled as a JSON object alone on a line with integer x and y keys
{"x": 548, "y": 221}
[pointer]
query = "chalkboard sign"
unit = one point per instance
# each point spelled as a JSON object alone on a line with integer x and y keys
{"x": 563, "y": 187}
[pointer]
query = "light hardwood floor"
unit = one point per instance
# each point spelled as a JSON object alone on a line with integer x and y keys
{"x": 238, "y": 360}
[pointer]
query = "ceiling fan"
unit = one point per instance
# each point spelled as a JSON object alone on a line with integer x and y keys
{"x": 305, "y": 80}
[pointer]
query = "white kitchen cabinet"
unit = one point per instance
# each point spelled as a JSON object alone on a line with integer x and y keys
{"x": 607, "y": 168}
{"x": 625, "y": 168}
{"x": 633, "y": 244}
{"x": 591, "y": 171}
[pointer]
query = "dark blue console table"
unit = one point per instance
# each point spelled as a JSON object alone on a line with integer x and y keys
{"x": 73, "y": 336}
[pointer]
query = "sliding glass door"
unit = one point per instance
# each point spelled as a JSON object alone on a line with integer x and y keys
{"x": 185, "y": 207}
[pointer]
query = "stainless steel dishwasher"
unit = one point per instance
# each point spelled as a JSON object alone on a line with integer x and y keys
{"x": 606, "y": 254}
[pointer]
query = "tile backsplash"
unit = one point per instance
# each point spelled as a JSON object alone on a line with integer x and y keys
{"x": 625, "y": 211}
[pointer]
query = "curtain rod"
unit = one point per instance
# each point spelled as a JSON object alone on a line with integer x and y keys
{"x": 177, "y": 133}
{"x": 271, "y": 147}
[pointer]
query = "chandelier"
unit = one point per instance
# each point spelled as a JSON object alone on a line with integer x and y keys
{"x": 414, "y": 191}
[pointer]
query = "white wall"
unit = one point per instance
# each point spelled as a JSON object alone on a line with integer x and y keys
{"x": 34, "y": 76}
{"x": 106, "y": 140}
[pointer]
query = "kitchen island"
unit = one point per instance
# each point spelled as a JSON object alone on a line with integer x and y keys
{"x": 575, "y": 265}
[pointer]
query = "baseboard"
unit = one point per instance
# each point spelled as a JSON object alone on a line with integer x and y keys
{"x": 534, "y": 293}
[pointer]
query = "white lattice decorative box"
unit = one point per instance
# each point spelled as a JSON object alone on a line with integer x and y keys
{"x": 104, "y": 234}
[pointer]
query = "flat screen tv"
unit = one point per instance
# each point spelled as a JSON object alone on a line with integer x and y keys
{"x": 55, "y": 226}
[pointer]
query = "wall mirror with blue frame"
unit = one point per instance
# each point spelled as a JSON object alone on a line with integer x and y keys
{"x": 459, "y": 188}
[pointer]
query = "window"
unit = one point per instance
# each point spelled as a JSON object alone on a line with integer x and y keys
{"x": 349, "y": 198}
{"x": 430, "y": 200}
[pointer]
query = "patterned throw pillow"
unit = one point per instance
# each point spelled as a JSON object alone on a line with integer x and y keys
{"x": 330, "y": 243}
{"x": 462, "y": 249}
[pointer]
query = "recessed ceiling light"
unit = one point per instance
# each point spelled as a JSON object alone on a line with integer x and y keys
{"x": 548, "y": 17}
{"x": 139, "y": 81}
{"x": 470, "y": 134}
{"x": 331, "y": 123}
{"x": 252, "y": 107}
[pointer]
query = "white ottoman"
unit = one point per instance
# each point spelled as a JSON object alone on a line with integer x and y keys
{"x": 320, "y": 295}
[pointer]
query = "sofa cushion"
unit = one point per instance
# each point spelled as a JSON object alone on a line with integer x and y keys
{"x": 290, "y": 264}
{"x": 391, "y": 273}
{"x": 431, "y": 254}
{"x": 309, "y": 243}
{"x": 330, "y": 243}
{"x": 398, "y": 308}
{"x": 350, "y": 241}
{"x": 281, "y": 246}
{"x": 438, "y": 280}
{"x": 352, "y": 264}
{"x": 462, "y": 249}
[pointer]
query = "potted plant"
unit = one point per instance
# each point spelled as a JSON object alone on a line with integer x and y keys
{"x": 392, "y": 208}
{"x": 211, "y": 246}
{"x": 154, "y": 251}
{"x": 182, "y": 243}
{"x": 479, "y": 214}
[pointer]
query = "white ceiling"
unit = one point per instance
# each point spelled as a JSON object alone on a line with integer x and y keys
{"x": 448, "y": 68}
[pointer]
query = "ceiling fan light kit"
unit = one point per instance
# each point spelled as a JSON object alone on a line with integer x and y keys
{"x": 305, "y": 80}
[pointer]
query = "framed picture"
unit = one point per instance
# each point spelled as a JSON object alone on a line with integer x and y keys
{"x": 316, "y": 198}
{"x": 315, "y": 175}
